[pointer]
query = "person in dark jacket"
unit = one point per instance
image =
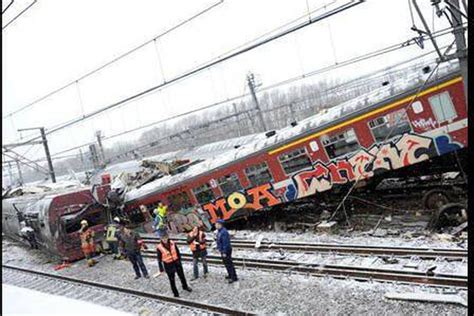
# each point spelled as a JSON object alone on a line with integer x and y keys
{"x": 197, "y": 243}
{"x": 131, "y": 245}
{"x": 225, "y": 248}
{"x": 169, "y": 260}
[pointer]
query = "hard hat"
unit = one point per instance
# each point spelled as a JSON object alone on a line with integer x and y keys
{"x": 84, "y": 222}
{"x": 116, "y": 219}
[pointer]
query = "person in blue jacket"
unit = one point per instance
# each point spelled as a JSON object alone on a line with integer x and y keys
{"x": 225, "y": 248}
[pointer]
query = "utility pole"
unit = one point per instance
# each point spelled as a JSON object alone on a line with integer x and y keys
{"x": 458, "y": 31}
{"x": 251, "y": 84}
{"x": 292, "y": 111}
{"x": 81, "y": 156}
{"x": 48, "y": 155}
{"x": 46, "y": 150}
{"x": 237, "y": 119}
{"x": 461, "y": 51}
{"x": 98, "y": 134}
{"x": 93, "y": 153}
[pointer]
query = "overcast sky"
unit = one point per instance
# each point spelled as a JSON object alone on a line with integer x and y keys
{"x": 57, "y": 41}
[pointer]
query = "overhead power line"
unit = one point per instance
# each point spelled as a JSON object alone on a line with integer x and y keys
{"x": 339, "y": 9}
{"x": 8, "y": 6}
{"x": 113, "y": 60}
{"x": 18, "y": 15}
{"x": 29, "y": 105}
{"x": 284, "y": 82}
{"x": 404, "y": 109}
{"x": 365, "y": 79}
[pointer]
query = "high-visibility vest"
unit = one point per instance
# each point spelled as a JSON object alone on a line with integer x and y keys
{"x": 168, "y": 256}
{"x": 87, "y": 241}
{"x": 161, "y": 210}
{"x": 199, "y": 239}
{"x": 110, "y": 234}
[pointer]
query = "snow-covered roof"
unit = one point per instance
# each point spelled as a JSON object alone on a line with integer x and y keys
{"x": 218, "y": 154}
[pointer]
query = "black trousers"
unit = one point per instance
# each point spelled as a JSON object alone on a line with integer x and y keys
{"x": 137, "y": 261}
{"x": 32, "y": 241}
{"x": 171, "y": 270}
{"x": 229, "y": 265}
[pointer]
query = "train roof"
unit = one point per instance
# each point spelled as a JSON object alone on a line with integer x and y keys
{"x": 42, "y": 190}
{"x": 219, "y": 154}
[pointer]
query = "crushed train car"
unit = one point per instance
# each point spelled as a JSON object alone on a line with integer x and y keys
{"x": 53, "y": 213}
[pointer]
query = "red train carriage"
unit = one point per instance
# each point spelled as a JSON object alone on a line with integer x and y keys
{"x": 380, "y": 132}
{"x": 55, "y": 217}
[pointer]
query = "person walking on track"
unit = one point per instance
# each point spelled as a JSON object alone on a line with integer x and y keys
{"x": 197, "y": 242}
{"x": 225, "y": 248}
{"x": 169, "y": 260}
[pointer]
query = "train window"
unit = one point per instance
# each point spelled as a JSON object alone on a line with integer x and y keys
{"x": 314, "y": 146}
{"x": 179, "y": 201}
{"x": 258, "y": 174}
{"x": 417, "y": 107}
{"x": 294, "y": 160}
{"x": 229, "y": 183}
{"x": 204, "y": 193}
{"x": 443, "y": 107}
{"x": 72, "y": 222}
{"x": 340, "y": 144}
{"x": 394, "y": 123}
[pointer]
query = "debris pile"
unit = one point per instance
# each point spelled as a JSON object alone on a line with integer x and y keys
{"x": 150, "y": 170}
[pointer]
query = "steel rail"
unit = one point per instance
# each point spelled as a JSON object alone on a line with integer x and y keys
{"x": 422, "y": 253}
{"x": 148, "y": 295}
{"x": 339, "y": 271}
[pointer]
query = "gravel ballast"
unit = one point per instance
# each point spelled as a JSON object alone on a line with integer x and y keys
{"x": 262, "y": 292}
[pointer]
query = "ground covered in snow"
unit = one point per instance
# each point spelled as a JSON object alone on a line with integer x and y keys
{"x": 357, "y": 238}
{"x": 256, "y": 291}
{"x": 39, "y": 304}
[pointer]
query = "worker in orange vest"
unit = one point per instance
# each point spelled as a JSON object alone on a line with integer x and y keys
{"x": 168, "y": 256}
{"x": 87, "y": 242}
{"x": 197, "y": 243}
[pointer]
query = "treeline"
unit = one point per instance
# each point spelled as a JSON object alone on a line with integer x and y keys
{"x": 279, "y": 107}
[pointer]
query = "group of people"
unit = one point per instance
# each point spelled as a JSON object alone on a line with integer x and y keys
{"x": 127, "y": 243}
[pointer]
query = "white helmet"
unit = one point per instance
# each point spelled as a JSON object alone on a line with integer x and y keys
{"x": 116, "y": 219}
{"x": 84, "y": 222}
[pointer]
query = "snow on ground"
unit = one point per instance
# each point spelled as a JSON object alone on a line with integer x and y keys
{"x": 39, "y": 304}
{"x": 354, "y": 238}
{"x": 258, "y": 291}
{"x": 442, "y": 266}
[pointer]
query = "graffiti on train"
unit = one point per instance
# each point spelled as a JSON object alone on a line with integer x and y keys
{"x": 253, "y": 199}
{"x": 185, "y": 220}
{"x": 400, "y": 152}
{"x": 407, "y": 150}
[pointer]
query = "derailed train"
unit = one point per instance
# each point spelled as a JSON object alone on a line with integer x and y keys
{"x": 400, "y": 126}
{"x": 55, "y": 216}
{"x": 387, "y": 132}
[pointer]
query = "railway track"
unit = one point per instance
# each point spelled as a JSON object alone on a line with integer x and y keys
{"x": 214, "y": 309}
{"x": 422, "y": 253}
{"x": 339, "y": 271}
